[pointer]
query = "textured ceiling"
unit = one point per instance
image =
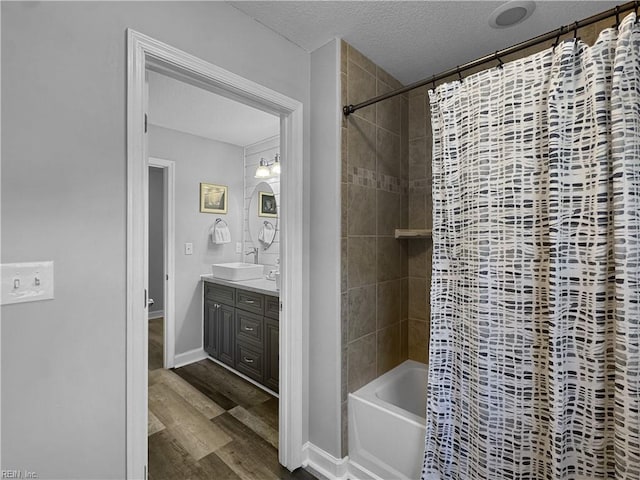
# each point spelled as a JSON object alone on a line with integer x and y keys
{"x": 179, "y": 106}
{"x": 412, "y": 40}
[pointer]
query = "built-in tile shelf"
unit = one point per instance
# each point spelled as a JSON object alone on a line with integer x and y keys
{"x": 413, "y": 233}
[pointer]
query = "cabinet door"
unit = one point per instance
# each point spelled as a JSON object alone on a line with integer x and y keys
{"x": 272, "y": 307}
{"x": 272, "y": 354}
{"x": 211, "y": 329}
{"x": 226, "y": 337}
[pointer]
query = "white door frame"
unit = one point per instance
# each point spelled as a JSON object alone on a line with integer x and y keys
{"x": 169, "y": 253}
{"x": 146, "y": 53}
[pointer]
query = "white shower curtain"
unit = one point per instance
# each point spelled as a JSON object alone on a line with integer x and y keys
{"x": 534, "y": 363}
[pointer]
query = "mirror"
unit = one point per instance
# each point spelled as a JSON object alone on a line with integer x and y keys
{"x": 263, "y": 216}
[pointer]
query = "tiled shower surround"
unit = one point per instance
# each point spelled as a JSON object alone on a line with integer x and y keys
{"x": 420, "y": 208}
{"x": 386, "y": 184}
{"x": 375, "y": 178}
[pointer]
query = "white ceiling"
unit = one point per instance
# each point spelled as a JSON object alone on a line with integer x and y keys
{"x": 183, "y": 107}
{"x": 412, "y": 40}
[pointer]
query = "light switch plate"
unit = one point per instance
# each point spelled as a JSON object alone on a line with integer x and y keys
{"x": 26, "y": 282}
{"x": 188, "y": 248}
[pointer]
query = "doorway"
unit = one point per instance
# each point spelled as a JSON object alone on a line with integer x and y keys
{"x": 161, "y": 248}
{"x": 156, "y": 269}
{"x": 216, "y": 419}
{"x": 145, "y": 54}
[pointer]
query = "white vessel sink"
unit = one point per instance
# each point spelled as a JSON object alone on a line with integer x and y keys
{"x": 236, "y": 271}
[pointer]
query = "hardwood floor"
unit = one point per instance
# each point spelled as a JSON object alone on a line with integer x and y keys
{"x": 207, "y": 423}
{"x": 156, "y": 343}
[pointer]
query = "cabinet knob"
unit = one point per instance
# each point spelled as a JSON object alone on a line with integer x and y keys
{"x": 247, "y": 360}
{"x": 248, "y": 329}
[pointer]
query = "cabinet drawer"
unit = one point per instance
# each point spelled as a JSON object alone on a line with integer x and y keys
{"x": 250, "y": 301}
{"x": 219, "y": 293}
{"x": 272, "y": 307}
{"x": 249, "y": 360}
{"x": 249, "y": 327}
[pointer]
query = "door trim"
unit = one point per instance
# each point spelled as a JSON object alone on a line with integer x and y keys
{"x": 169, "y": 234}
{"x": 147, "y": 53}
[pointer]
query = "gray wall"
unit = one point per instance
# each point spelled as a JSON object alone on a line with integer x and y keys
{"x": 198, "y": 160}
{"x": 156, "y": 239}
{"x": 64, "y": 199}
{"x": 324, "y": 321}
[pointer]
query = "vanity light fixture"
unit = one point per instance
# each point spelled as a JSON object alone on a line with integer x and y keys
{"x": 268, "y": 169}
{"x": 263, "y": 169}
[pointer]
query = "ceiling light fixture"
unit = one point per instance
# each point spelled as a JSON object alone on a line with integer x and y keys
{"x": 511, "y": 13}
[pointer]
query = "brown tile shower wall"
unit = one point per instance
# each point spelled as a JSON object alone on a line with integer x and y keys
{"x": 420, "y": 207}
{"x": 375, "y": 172}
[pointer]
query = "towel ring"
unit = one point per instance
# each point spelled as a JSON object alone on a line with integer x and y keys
{"x": 267, "y": 222}
{"x": 219, "y": 220}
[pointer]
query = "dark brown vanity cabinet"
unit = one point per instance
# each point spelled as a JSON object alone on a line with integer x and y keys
{"x": 241, "y": 330}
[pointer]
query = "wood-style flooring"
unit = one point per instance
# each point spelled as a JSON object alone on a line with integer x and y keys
{"x": 156, "y": 343}
{"x": 207, "y": 423}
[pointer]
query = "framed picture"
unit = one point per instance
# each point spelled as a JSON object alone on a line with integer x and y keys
{"x": 213, "y": 198}
{"x": 267, "y": 205}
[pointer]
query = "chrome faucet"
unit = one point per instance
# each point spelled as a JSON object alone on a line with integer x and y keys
{"x": 254, "y": 252}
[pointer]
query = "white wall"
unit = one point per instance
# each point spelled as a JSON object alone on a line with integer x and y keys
{"x": 156, "y": 239}
{"x": 266, "y": 149}
{"x": 64, "y": 199}
{"x": 324, "y": 319}
{"x": 198, "y": 160}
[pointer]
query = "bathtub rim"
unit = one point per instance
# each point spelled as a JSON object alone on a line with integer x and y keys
{"x": 367, "y": 393}
{"x": 375, "y": 457}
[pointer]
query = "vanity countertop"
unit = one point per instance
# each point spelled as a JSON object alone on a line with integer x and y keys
{"x": 259, "y": 285}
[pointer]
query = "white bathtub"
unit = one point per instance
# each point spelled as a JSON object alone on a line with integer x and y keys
{"x": 387, "y": 424}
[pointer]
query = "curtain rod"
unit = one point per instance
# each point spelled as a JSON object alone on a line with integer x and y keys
{"x": 557, "y": 33}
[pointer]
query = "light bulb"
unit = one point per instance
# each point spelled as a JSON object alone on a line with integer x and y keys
{"x": 263, "y": 170}
{"x": 275, "y": 166}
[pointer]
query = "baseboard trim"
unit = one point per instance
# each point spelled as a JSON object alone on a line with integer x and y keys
{"x": 323, "y": 463}
{"x": 191, "y": 356}
{"x": 358, "y": 472}
{"x": 156, "y": 314}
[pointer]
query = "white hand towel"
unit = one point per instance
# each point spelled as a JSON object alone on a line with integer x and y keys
{"x": 221, "y": 234}
{"x": 267, "y": 234}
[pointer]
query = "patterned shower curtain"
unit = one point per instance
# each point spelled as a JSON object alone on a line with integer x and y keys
{"x": 534, "y": 363}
